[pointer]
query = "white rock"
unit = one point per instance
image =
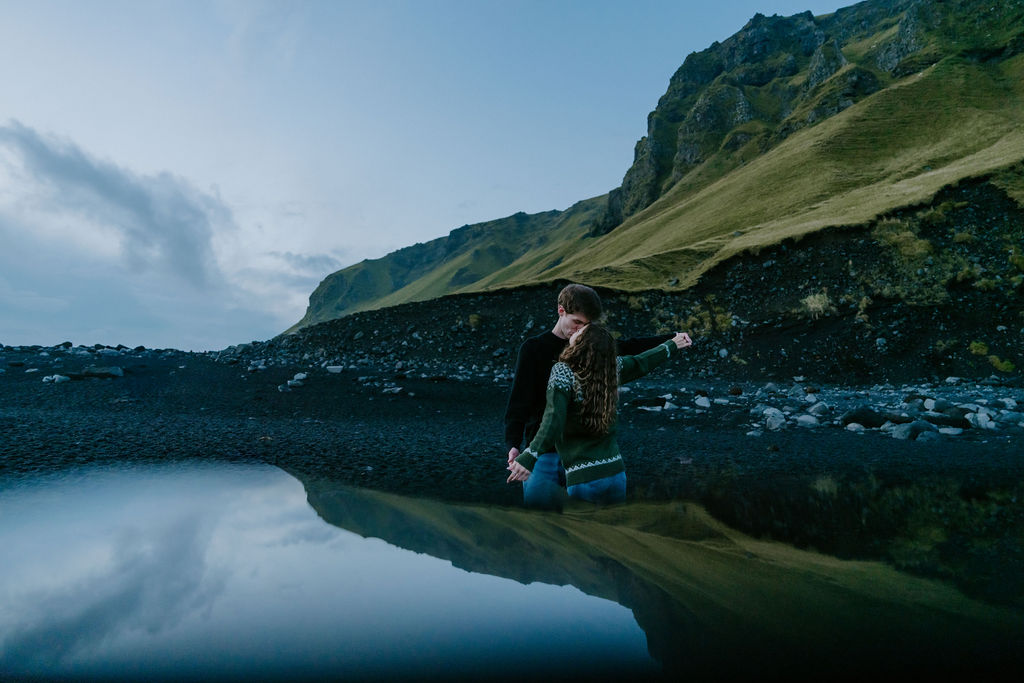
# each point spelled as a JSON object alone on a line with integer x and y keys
{"x": 1009, "y": 403}
{"x": 952, "y": 380}
{"x": 668, "y": 405}
{"x": 774, "y": 419}
{"x": 903, "y": 431}
{"x": 722, "y": 401}
{"x": 929, "y": 404}
{"x": 299, "y": 376}
{"x": 854, "y": 427}
{"x": 807, "y": 421}
{"x": 951, "y": 431}
{"x": 335, "y": 369}
{"x": 819, "y": 409}
{"x": 702, "y": 401}
{"x": 295, "y": 382}
{"x": 650, "y": 409}
{"x": 723, "y": 353}
{"x": 32, "y": 370}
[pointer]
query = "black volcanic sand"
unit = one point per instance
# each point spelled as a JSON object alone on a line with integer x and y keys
{"x": 950, "y": 509}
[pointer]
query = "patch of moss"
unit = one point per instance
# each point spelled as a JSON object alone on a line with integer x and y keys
{"x": 979, "y": 348}
{"x": 1016, "y": 258}
{"x": 1001, "y": 365}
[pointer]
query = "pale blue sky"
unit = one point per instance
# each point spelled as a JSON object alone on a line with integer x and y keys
{"x": 183, "y": 173}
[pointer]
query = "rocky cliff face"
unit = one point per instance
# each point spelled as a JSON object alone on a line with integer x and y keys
{"x": 758, "y": 76}
{"x": 779, "y": 74}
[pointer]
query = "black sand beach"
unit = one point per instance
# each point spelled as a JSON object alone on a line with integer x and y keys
{"x": 948, "y": 508}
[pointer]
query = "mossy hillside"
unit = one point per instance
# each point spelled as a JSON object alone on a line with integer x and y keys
{"x": 896, "y": 148}
{"x": 896, "y": 101}
{"x": 442, "y": 266}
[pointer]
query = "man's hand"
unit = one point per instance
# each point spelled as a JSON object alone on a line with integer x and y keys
{"x": 682, "y": 340}
{"x": 512, "y": 455}
{"x": 518, "y": 472}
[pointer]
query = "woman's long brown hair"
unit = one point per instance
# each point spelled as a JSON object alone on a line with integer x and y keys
{"x": 592, "y": 358}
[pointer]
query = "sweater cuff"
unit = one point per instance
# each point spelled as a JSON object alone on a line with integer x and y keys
{"x": 527, "y": 459}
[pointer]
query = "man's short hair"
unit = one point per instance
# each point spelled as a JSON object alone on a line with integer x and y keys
{"x": 581, "y": 299}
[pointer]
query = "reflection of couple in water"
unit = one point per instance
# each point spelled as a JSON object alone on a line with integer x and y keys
{"x": 563, "y": 403}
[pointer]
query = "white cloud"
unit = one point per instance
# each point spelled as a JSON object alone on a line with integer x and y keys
{"x": 95, "y": 252}
{"x": 158, "y": 222}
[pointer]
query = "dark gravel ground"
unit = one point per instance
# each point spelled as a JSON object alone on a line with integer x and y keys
{"x": 951, "y": 508}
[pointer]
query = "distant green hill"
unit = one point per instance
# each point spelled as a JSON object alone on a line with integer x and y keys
{"x": 791, "y": 125}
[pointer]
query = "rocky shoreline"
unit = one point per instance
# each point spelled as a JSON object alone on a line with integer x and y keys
{"x": 925, "y": 475}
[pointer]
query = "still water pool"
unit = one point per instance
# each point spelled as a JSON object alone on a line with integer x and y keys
{"x": 248, "y": 572}
{"x": 217, "y": 571}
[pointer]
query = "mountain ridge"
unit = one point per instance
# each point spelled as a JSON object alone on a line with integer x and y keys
{"x": 792, "y": 125}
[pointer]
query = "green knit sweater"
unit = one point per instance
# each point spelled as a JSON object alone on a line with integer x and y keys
{"x": 585, "y": 456}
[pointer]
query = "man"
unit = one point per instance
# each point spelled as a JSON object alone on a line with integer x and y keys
{"x": 578, "y": 305}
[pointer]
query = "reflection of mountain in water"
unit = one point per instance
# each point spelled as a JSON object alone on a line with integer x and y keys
{"x": 710, "y": 599}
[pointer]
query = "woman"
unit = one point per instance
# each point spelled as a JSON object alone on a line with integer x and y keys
{"x": 580, "y": 415}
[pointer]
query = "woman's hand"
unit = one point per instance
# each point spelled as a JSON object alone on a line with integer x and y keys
{"x": 682, "y": 340}
{"x": 519, "y": 473}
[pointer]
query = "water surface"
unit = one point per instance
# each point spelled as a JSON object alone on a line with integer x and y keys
{"x": 213, "y": 571}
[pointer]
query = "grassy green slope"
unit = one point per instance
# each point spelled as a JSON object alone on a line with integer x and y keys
{"x": 952, "y": 109}
{"x": 457, "y": 262}
{"x": 957, "y": 119}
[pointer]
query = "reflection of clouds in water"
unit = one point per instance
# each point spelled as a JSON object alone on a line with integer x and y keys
{"x": 229, "y": 573}
{"x": 152, "y": 584}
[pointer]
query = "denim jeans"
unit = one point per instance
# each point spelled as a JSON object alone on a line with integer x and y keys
{"x": 604, "y": 491}
{"x": 542, "y": 489}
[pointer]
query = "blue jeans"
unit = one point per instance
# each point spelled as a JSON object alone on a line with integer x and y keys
{"x": 542, "y": 489}
{"x": 604, "y": 491}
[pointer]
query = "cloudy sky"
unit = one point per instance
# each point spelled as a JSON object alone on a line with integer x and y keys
{"x": 182, "y": 173}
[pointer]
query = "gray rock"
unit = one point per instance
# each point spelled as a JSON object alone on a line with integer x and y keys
{"x": 912, "y": 430}
{"x": 774, "y": 419}
{"x": 702, "y": 402}
{"x": 807, "y": 421}
{"x": 819, "y": 409}
{"x": 864, "y": 416}
{"x": 96, "y": 371}
{"x": 945, "y": 420}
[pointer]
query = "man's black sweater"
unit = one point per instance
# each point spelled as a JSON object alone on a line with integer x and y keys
{"x": 533, "y": 367}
